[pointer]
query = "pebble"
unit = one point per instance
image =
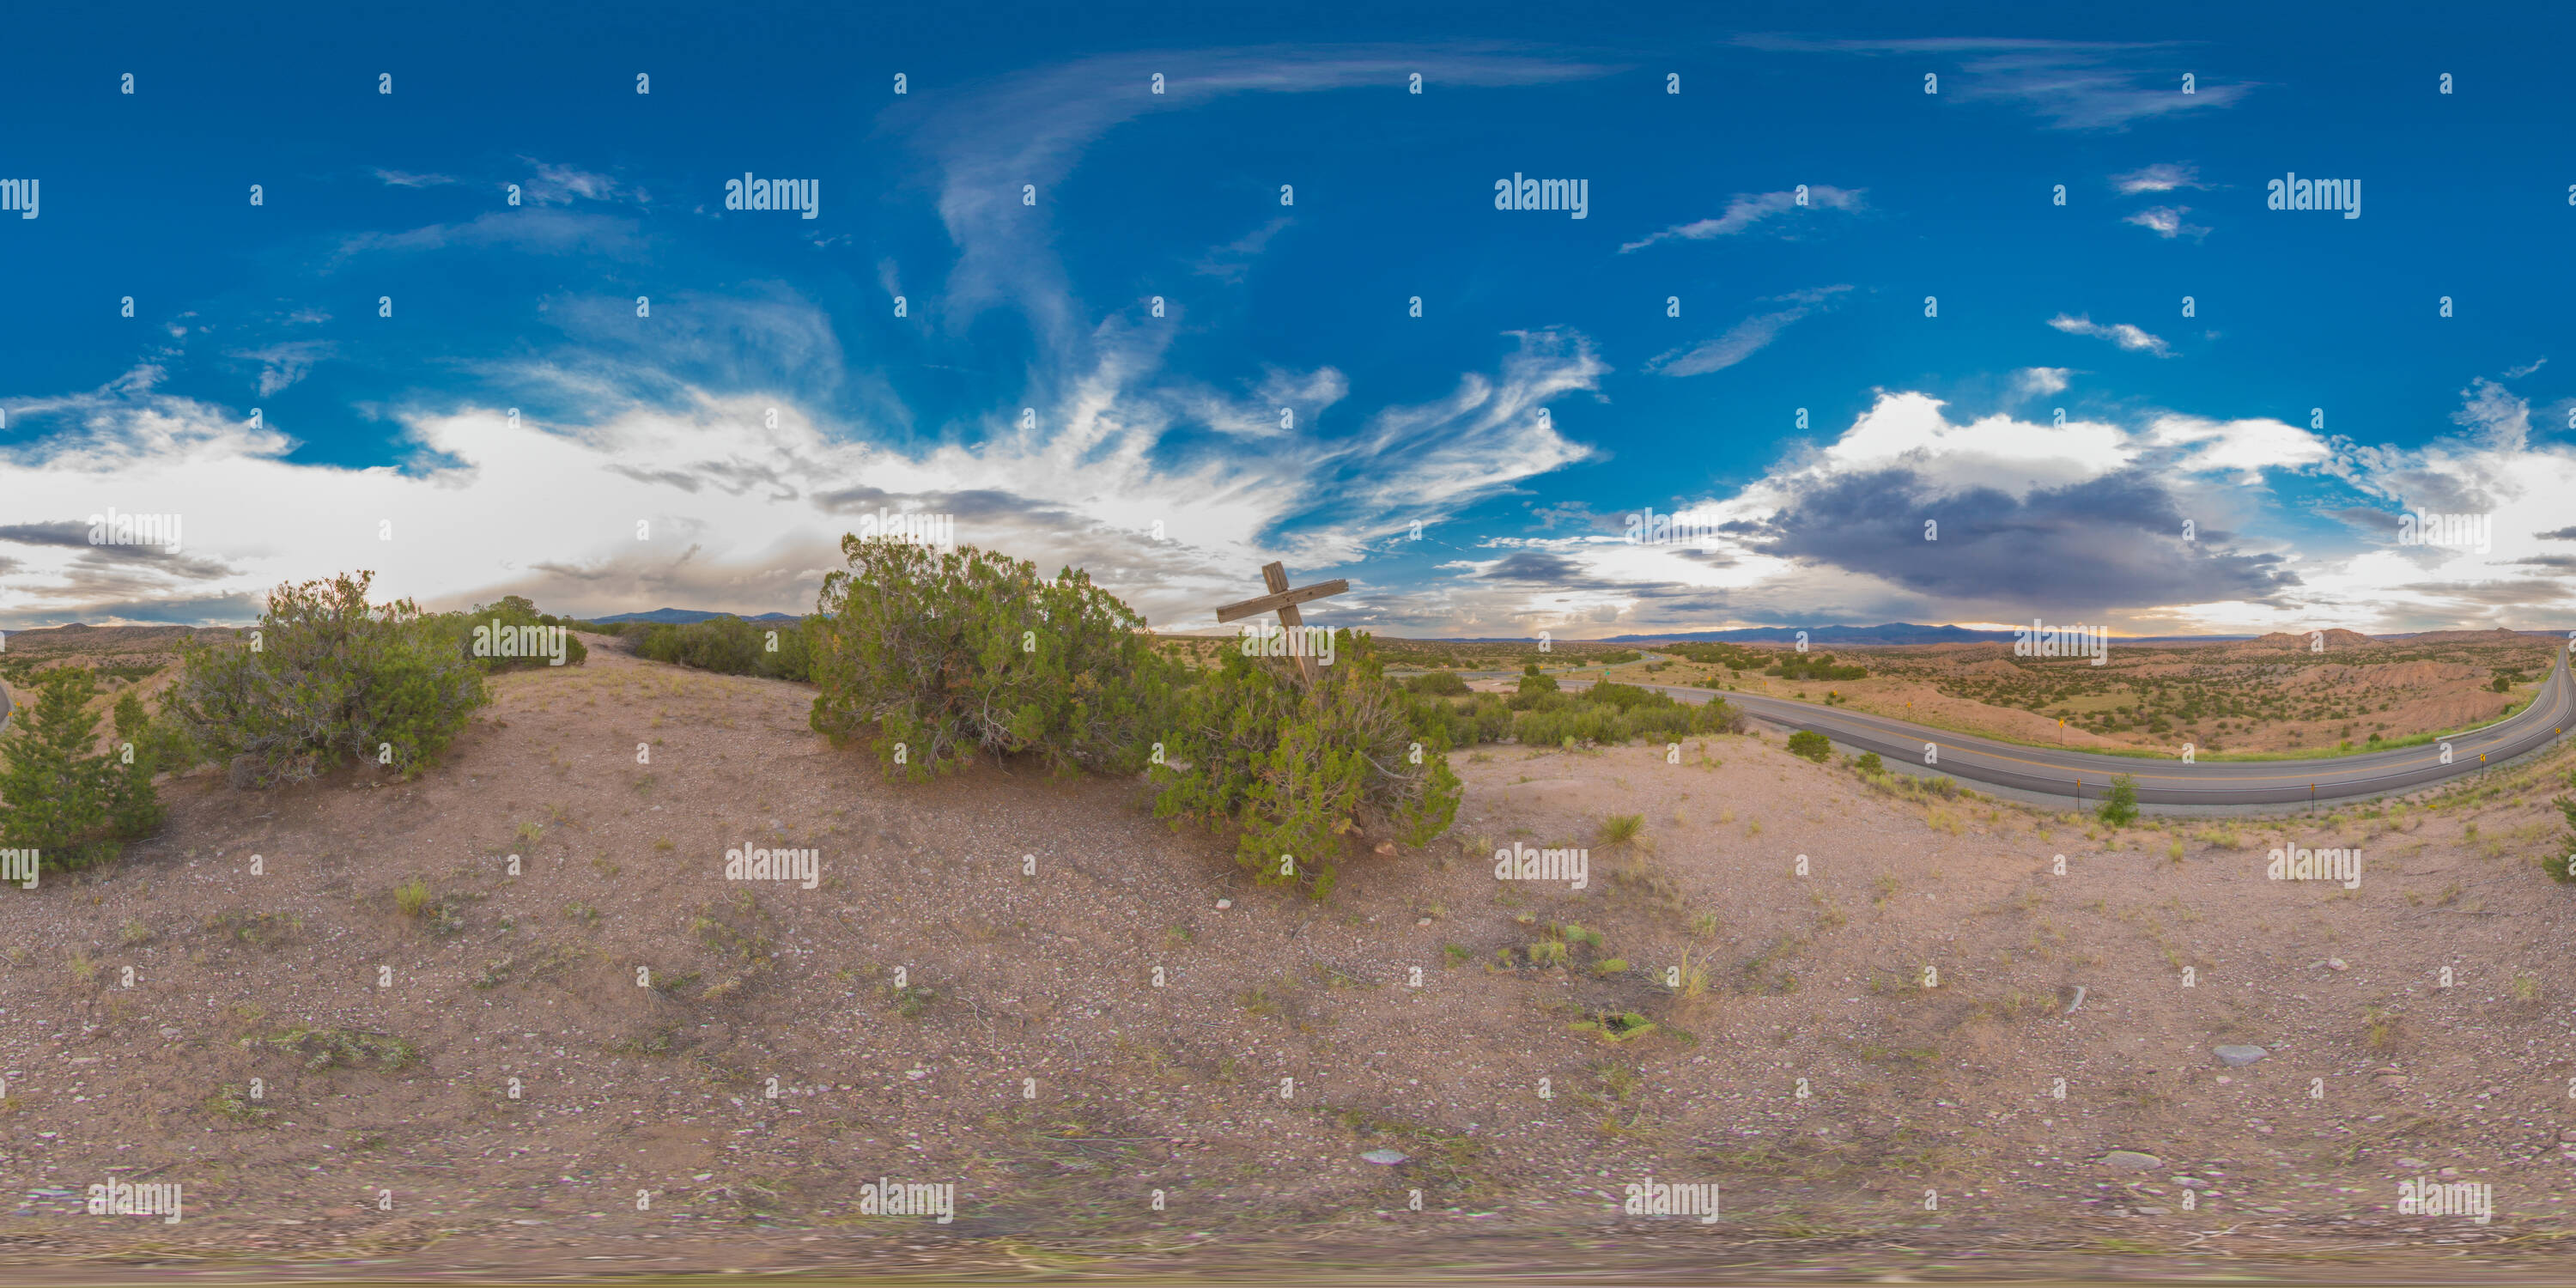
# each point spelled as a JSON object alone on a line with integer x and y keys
{"x": 2237, "y": 1057}
{"x": 2132, "y": 1160}
{"x": 2335, "y": 963}
{"x": 2412, "y": 1162}
{"x": 1223, "y": 904}
{"x": 1383, "y": 1157}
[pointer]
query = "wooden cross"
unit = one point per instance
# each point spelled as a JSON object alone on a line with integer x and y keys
{"x": 1285, "y": 601}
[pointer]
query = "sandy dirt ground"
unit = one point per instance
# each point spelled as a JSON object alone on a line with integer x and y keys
{"x": 1851, "y": 1004}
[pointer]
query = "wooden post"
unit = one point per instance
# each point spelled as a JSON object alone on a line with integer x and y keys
{"x": 1284, "y": 602}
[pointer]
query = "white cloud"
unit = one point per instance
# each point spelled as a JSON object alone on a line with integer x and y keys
{"x": 2167, "y": 222}
{"x": 1747, "y": 210}
{"x": 399, "y": 179}
{"x": 2040, "y": 382}
{"x": 285, "y": 363}
{"x": 2160, "y": 177}
{"x": 745, "y": 517}
{"x": 2133, "y": 338}
{"x": 1745, "y": 338}
{"x": 2074, "y": 84}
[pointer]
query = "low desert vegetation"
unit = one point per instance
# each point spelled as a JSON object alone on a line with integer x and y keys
{"x": 74, "y": 805}
{"x": 941, "y": 655}
{"x": 327, "y": 678}
{"x": 730, "y": 646}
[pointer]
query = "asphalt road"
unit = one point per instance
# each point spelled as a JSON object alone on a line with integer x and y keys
{"x": 2051, "y": 772}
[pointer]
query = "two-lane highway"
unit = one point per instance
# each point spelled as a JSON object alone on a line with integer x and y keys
{"x": 2054, "y": 772}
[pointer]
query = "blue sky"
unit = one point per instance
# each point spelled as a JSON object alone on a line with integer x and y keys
{"x": 1029, "y": 196}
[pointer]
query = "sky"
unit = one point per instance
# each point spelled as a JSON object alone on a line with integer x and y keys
{"x": 1978, "y": 316}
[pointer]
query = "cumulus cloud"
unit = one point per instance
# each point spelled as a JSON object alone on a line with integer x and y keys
{"x": 2127, "y": 336}
{"x": 2039, "y": 382}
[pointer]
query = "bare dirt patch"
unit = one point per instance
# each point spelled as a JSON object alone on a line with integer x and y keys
{"x": 1077, "y": 1025}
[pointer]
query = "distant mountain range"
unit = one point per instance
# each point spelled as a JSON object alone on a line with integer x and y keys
{"x": 684, "y": 616}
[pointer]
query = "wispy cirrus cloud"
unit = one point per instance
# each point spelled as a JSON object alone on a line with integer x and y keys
{"x": 2167, "y": 222}
{"x": 1749, "y": 210}
{"x": 2133, "y": 338}
{"x": 2160, "y": 177}
{"x": 404, "y": 179}
{"x": 2072, "y": 84}
{"x": 1745, "y": 338}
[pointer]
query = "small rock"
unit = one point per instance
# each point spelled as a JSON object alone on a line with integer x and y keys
{"x": 2569, "y": 1135}
{"x": 2131, "y": 1160}
{"x": 2237, "y": 1057}
{"x": 1382, "y": 1157}
{"x": 2412, "y": 1162}
{"x": 2152, "y": 1211}
{"x": 1223, "y": 904}
{"x": 2390, "y": 1080}
{"x": 1422, "y": 921}
{"x": 1386, "y": 847}
{"x": 2448, "y": 1173}
{"x": 2335, "y": 963}
{"x": 2191, "y": 1182}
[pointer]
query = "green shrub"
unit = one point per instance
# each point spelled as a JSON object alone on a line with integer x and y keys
{"x": 950, "y": 653}
{"x": 732, "y": 646}
{"x": 1810, "y": 744}
{"x": 479, "y": 630}
{"x": 1609, "y": 713}
{"x": 1438, "y": 683}
{"x": 2563, "y": 865}
{"x": 57, "y": 796}
{"x": 2120, "y": 808}
{"x": 325, "y": 677}
{"x": 1294, "y": 768}
{"x": 1869, "y": 763}
{"x": 1465, "y": 721}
